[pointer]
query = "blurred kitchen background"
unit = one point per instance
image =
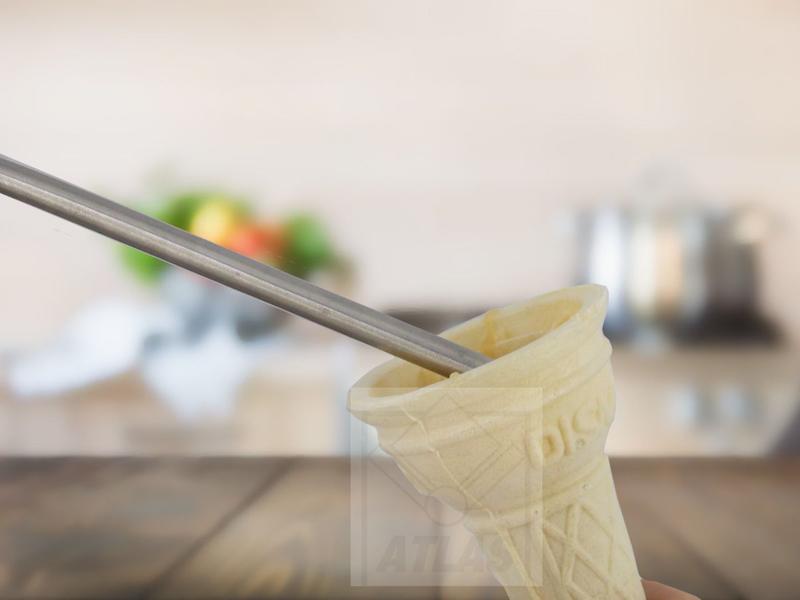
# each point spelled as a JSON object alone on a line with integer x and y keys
{"x": 431, "y": 159}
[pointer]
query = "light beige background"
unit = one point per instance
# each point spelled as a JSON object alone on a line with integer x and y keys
{"x": 441, "y": 139}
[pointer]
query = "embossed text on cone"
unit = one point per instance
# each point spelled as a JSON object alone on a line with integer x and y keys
{"x": 517, "y": 445}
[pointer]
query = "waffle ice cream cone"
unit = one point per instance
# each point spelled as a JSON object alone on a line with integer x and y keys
{"x": 517, "y": 445}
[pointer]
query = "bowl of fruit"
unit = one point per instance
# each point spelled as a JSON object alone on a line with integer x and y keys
{"x": 298, "y": 244}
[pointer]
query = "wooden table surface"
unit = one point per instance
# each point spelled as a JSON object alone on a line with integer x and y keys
{"x": 280, "y": 527}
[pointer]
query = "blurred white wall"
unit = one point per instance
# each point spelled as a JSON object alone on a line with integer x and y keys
{"x": 440, "y": 139}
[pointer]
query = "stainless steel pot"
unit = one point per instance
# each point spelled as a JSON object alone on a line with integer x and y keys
{"x": 675, "y": 267}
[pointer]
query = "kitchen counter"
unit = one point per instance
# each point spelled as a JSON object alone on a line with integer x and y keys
{"x": 281, "y": 527}
{"x": 688, "y": 402}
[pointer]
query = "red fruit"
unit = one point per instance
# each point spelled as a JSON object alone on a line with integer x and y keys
{"x": 256, "y": 241}
{"x": 248, "y": 240}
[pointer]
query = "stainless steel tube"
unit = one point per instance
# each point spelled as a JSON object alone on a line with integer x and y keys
{"x": 256, "y": 279}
